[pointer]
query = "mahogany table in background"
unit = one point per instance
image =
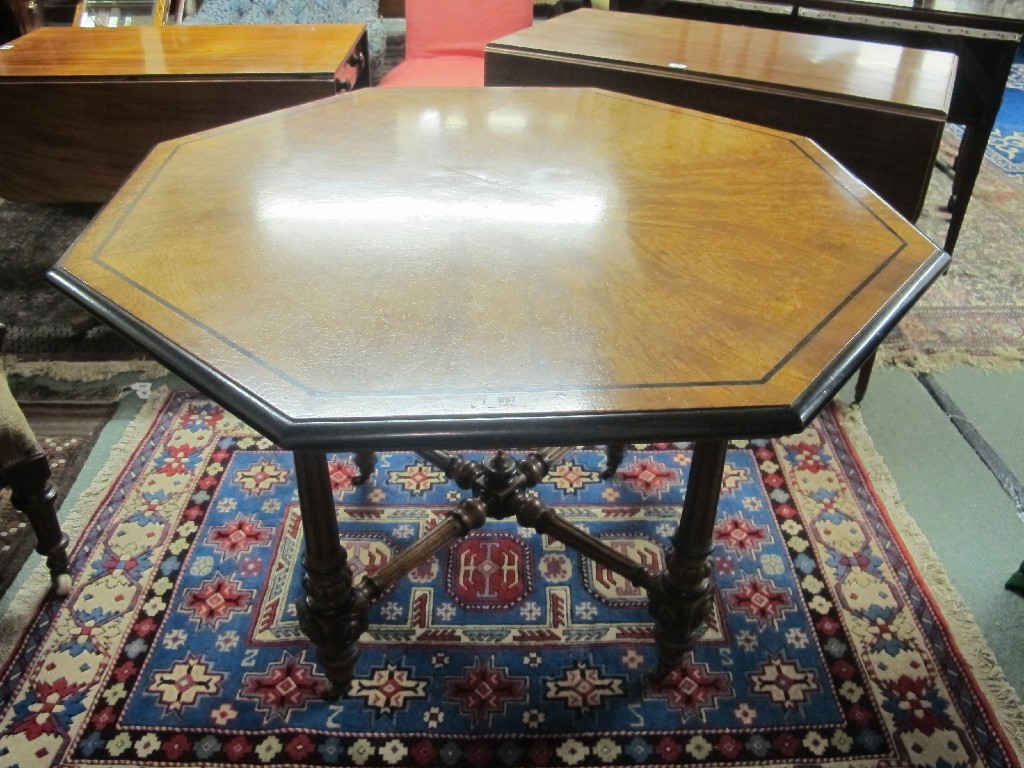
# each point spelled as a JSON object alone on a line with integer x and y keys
{"x": 82, "y": 107}
{"x": 984, "y": 34}
{"x": 878, "y": 109}
{"x": 469, "y": 270}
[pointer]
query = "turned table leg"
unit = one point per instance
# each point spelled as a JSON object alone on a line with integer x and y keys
{"x": 334, "y": 611}
{"x": 366, "y": 462}
{"x": 331, "y": 614}
{"x": 614, "y": 454}
{"x": 680, "y": 597}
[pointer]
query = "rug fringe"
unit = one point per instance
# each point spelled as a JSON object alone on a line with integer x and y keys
{"x": 37, "y": 584}
{"x": 1006, "y": 705}
{"x": 1001, "y": 360}
{"x": 62, "y": 370}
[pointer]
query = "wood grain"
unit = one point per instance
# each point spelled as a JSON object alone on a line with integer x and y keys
{"x": 894, "y": 77}
{"x": 187, "y": 50}
{"x": 83, "y": 106}
{"x": 469, "y": 267}
{"x": 879, "y": 109}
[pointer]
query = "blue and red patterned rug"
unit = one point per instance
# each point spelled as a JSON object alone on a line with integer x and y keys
{"x": 179, "y": 644}
{"x": 1006, "y": 142}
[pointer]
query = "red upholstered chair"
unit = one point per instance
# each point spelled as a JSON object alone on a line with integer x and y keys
{"x": 445, "y": 39}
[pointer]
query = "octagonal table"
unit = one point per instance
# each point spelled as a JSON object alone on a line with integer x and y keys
{"x": 434, "y": 270}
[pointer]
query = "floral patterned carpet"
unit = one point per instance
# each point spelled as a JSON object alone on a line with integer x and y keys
{"x": 974, "y": 314}
{"x": 834, "y": 637}
{"x": 1006, "y": 144}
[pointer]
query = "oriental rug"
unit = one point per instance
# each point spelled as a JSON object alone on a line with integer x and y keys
{"x": 974, "y": 313}
{"x": 1006, "y": 142}
{"x": 834, "y": 638}
{"x": 67, "y": 405}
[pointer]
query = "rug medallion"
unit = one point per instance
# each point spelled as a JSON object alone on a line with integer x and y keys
{"x": 179, "y": 643}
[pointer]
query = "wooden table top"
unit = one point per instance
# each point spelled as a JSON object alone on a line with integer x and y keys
{"x": 496, "y": 267}
{"x": 181, "y": 50}
{"x": 893, "y": 76}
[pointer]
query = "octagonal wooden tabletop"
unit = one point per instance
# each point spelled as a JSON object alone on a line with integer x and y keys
{"x": 486, "y": 267}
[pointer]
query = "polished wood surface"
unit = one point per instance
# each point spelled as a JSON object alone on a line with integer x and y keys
{"x": 152, "y": 51}
{"x": 456, "y": 268}
{"x": 82, "y": 107}
{"x": 879, "y": 109}
{"x": 467, "y": 269}
{"x": 984, "y": 35}
{"x": 891, "y": 77}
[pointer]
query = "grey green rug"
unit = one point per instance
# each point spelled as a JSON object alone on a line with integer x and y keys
{"x": 974, "y": 314}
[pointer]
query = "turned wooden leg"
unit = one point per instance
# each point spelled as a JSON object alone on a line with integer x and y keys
{"x": 331, "y": 613}
{"x": 366, "y": 463}
{"x": 680, "y": 596}
{"x": 32, "y": 495}
{"x": 614, "y": 453}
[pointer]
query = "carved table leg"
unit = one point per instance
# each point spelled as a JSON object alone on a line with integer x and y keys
{"x": 331, "y": 614}
{"x": 680, "y": 596}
